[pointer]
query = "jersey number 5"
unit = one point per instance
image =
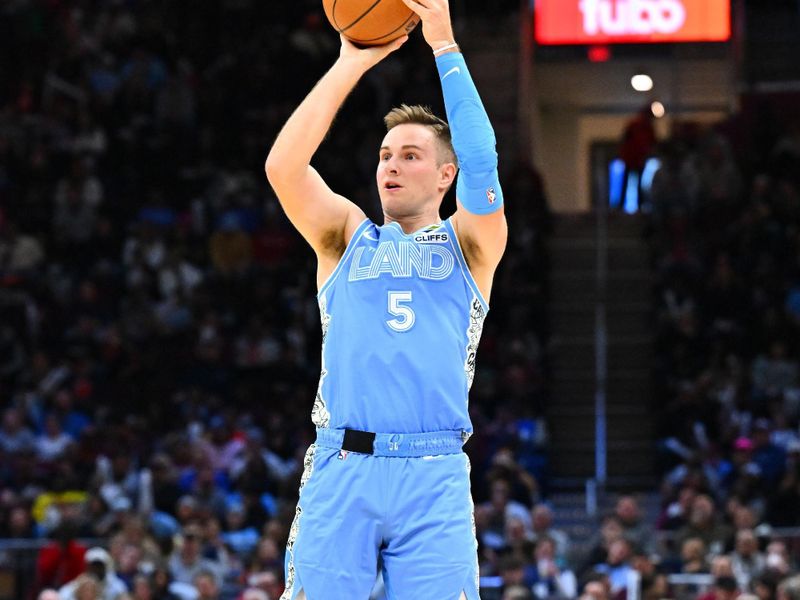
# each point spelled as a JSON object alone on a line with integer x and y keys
{"x": 398, "y": 307}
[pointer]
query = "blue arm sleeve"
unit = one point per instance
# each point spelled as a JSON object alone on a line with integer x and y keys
{"x": 478, "y": 187}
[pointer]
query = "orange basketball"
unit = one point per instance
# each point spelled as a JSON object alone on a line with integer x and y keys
{"x": 370, "y": 22}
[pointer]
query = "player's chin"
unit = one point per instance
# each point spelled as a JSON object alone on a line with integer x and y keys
{"x": 395, "y": 206}
{"x": 393, "y": 199}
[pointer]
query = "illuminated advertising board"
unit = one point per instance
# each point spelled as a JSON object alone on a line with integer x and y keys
{"x": 631, "y": 21}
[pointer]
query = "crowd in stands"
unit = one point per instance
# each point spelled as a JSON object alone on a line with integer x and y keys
{"x": 159, "y": 334}
{"x": 722, "y": 218}
{"x": 723, "y": 228}
{"x": 725, "y": 242}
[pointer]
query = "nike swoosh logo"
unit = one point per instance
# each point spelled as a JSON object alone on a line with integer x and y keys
{"x": 451, "y": 71}
{"x": 369, "y": 236}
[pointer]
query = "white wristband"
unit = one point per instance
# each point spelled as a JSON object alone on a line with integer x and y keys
{"x": 438, "y": 51}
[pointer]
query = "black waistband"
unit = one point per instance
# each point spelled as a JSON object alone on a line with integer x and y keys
{"x": 358, "y": 441}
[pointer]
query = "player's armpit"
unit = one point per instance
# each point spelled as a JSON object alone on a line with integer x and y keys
{"x": 482, "y": 237}
{"x": 483, "y": 240}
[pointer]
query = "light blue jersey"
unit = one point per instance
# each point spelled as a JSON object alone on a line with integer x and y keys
{"x": 401, "y": 320}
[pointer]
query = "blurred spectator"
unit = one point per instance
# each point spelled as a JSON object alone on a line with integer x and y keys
{"x": 15, "y": 437}
{"x": 517, "y": 592}
{"x": 207, "y": 585}
{"x": 20, "y": 254}
{"x": 773, "y": 373}
{"x": 523, "y": 487}
{"x": 655, "y": 586}
{"x": 53, "y": 442}
{"x": 517, "y": 540}
{"x": 100, "y": 573}
{"x": 511, "y": 570}
{"x": 61, "y": 560}
{"x": 596, "y": 586}
{"x": 187, "y": 561}
{"x": 617, "y": 565}
{"x": 255, "y": 594}
{"x": 610, "y": 531}
{"x": 19, "y": 524}
{"x": 547, "y": 578}
{"x": 746, "y": 560}
{"x": 501, "y": 508}
{"x": 634, "y": 528}
{"x": 704, "y": 523}
{"x": 693, "y": 556}
{"x": 765, "y": 586}
{"x": 206, "y": 489}
{"x": 165, "y": 588}
{"x": 778, "y": 562}
{"x": 789, "y": 589}
{"x": 542, "y": 525}
{"x": 784, "y": 506}
{"x": 718, "y": 179}
{"x": 165, "y": 489}
{"x": 675, "y": 514}
{"x": 231, "y": 249}
{"x": 268, "y": 581}
{"x": 637, "y": 144}
{"x": 721, "y": 566}
{"x": 127, "y": 566}
{"x": 725, "y": 588}
{"x": 222, "y": 445}
{"x": 770, "y": 457}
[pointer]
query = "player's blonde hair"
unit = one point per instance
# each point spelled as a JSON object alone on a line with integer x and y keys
{"x": 422, "y": 115}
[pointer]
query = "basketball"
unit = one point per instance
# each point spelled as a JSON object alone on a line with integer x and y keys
{"x": 370, "y": 22}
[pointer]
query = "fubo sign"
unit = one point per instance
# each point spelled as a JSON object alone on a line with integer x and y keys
{"x": 634, "y": 17}
{"x": 631, "y": 21}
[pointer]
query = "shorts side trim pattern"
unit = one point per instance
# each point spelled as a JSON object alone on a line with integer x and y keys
{"x": 308, "y": 468}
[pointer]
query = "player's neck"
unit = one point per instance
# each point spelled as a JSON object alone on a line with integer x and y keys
{"x": 413, "y": 223}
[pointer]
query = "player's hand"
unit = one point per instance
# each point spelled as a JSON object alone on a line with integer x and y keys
{"x": 437, "y": 29}
{"x": 370, "y": 56}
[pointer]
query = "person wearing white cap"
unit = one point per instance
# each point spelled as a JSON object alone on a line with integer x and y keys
{"x": 99, "y": 566}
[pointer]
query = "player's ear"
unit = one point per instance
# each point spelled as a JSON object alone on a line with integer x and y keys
{"x": 447, "y": 174}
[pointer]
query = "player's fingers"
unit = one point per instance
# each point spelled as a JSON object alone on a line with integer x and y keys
{"x": 436, "y": 5}
{"x": 348, "y": 47}
{"x": 416, "y": 6}
{"x": 384, "y": 50}
{"x": 400, "y": 41}
{"x": 395, "y": 44}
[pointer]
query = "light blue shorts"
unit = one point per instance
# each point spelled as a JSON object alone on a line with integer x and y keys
{"x": 408, "y": 503}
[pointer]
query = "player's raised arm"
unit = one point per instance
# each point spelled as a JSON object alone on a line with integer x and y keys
{"x": 321, "y": 216}
{"x": 479, "y": 219}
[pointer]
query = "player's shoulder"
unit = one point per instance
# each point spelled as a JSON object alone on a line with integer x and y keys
{"x": 361, "y": 228}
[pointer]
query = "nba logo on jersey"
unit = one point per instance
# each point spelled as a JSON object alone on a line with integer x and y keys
{"x": 491, "y": 195}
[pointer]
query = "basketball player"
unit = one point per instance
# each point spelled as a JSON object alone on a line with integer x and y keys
{"x": 402, "y": 306}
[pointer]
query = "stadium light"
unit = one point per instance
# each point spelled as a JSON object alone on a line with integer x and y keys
{"x": 658, "y": 109}
{"x": 642, "y": 82}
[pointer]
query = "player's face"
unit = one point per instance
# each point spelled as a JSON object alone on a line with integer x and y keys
{"x": 409, "y": 176}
